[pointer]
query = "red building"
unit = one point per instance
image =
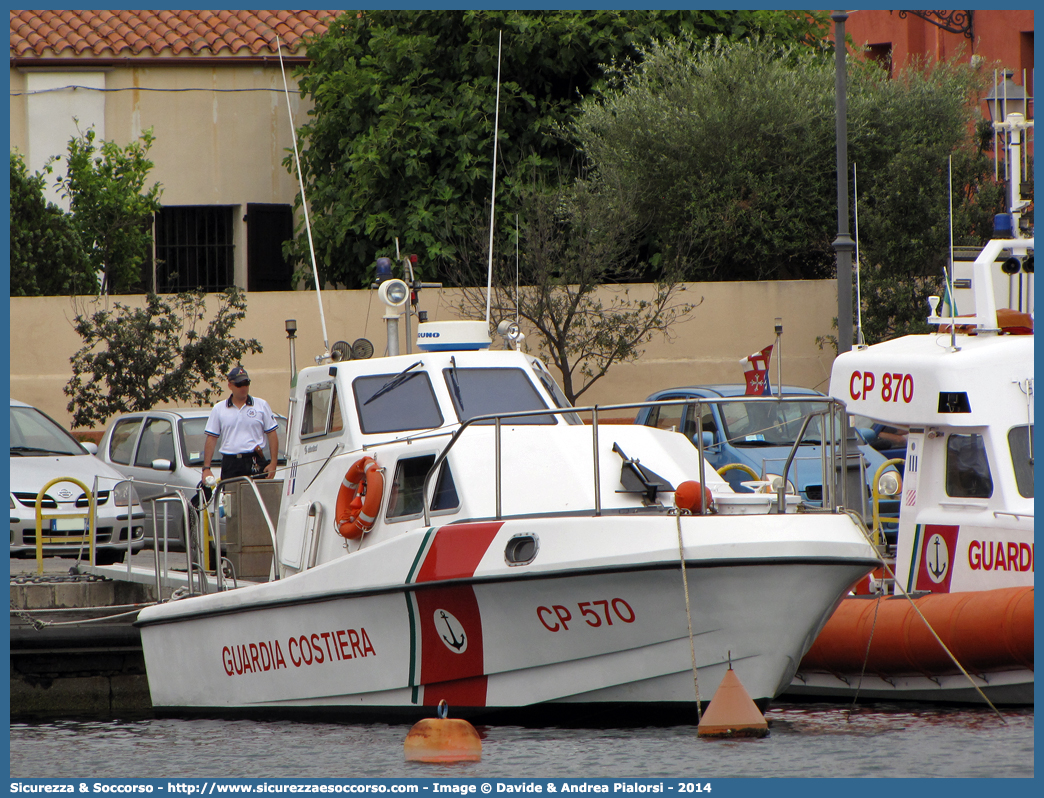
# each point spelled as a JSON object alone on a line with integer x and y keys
{"x": 997, "y": 39}
{"x": 992, "y": 35}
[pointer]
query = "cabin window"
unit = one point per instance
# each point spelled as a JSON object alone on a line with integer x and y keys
{"x": 1019, "y": 442}
{"x": 396, "y": 402}
{"x": 407, "y": 490}
{"x": 967, "y": 469}
{"x": 322, "y": 411}
{"x": 479, "y": 392}
{"x": 552, "y": 388}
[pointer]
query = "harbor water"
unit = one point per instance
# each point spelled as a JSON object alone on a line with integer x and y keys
{"x": 805, "y": 740}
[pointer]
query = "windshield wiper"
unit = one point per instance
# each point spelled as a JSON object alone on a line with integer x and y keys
{"x": 456, "y": 385}
{"x": 395, "y": 381}
{"x": 36, "y": 450}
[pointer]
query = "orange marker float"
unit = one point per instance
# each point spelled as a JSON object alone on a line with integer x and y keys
{"x": 443, "y": 739}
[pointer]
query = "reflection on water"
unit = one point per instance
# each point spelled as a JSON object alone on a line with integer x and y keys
{"x": 806, "y": 740}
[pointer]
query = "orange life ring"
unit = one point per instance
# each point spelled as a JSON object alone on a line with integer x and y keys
{"x": 356, "y": 512}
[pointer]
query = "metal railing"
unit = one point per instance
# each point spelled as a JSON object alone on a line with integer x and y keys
{"x": 833, "y": 450}
{"x": 215, "y": 503}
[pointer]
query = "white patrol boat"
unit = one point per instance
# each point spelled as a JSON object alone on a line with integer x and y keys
{"x": 965, "y": 539}
{"x": 450, "y": 529}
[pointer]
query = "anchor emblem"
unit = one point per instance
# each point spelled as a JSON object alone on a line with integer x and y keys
{"x": 937, "y": 558}
{"x": 457, "y": 643}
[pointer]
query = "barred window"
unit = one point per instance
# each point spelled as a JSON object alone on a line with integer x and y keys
{"x": 194, "y": 248}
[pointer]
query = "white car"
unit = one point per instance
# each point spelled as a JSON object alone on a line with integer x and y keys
{"x": 162, "y": 450}
{"x": 41, "y": 451}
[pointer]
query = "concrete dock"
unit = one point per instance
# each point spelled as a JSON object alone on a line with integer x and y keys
{"x": 74, "y": 650}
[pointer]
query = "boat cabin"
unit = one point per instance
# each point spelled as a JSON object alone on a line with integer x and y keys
{"x": 965, "y": 394}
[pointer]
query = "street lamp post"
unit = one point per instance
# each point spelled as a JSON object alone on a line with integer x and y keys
{"x": 1008, "y": 105}
{"x": 843, "y": 245}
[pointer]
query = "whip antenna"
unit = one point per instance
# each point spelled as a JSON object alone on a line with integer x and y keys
{"x": 948, "y": 273}
{"x": 304, "y": 201}
{"x": 493, "y": 199}
{"x": 859, "y": 298}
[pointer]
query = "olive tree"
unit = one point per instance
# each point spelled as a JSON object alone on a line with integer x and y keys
{"x": 735, "y": 144}
{"x": 165, "y": 351}
{"x": 399, "y": 141}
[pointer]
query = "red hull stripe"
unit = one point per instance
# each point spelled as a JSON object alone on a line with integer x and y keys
{"x": 461, "y": 693}
{"x": 456, "y": 551}
{"x": 449, "y": 621}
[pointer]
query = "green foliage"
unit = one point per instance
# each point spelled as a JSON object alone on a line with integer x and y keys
{"x": 111, "y": 207}
{"x": 735, "y": 142}
{"x": 136, "y": 358}
{"x": 572, "y": 242}
{"x": 904, "y": 202}
{"x": 400, "y": 139}
{"x": 47, "y": 258}
{"x": 729, "y": 141}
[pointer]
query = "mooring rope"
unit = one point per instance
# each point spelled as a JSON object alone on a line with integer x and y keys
{"x": 866, "y": 655}
{"x": 40, "y": 625}
{"x": 891, "y": 573}
{"x": 688, "y": 616}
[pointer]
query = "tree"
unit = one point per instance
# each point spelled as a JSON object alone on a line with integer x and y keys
{"x": 727, "y": 137}
{"x": 136, "y": 358}
{"x": 735, "y": 142}
{"x": 47, "y": 257}
{"x": 904, "y": 209}
{"x": 572, "y": 241}
{"x": 111, "y": 208}
{"x": 400, "y": 138}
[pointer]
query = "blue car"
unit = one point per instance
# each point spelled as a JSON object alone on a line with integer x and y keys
{"x": 749, "y": 442}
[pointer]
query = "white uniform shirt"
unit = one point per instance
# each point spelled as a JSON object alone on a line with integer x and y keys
{"x": 241, "y": 429}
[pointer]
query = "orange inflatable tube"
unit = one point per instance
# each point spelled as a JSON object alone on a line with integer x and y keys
{"x": 988, "y": 630}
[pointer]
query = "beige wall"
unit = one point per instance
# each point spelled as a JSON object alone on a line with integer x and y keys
{"x": 733, "y": 320}
{"x": 222, "y": 131}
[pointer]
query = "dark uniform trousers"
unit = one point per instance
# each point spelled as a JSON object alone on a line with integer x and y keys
{"x": 248, "y": 464}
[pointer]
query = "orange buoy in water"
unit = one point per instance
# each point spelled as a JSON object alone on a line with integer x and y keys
{"x": 732, "y": 712}
{"x": 692, "y": 496}
{"x": 442, "y": 739}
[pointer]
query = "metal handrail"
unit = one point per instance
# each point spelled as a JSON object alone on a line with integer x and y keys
{"x": 828, "y": 443}
{"x": 178, "y": 494}
{"x": 214, "y": 501}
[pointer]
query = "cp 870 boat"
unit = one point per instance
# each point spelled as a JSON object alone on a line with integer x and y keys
{"x": 450, "y": 529}
{"x": 965, "y": 546}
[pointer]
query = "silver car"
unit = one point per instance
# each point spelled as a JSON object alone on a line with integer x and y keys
{"x": 162, "y": 450}
{"x": 42, "y": 451}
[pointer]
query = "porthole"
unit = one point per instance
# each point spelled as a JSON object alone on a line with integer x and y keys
{"x": 521, "y": 550}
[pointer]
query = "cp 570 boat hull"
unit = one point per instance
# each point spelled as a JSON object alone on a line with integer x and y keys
{"x": 596, "y": 616}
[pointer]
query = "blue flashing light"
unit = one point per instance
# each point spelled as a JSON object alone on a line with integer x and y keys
{"x": 1002, "y": 226}
{"x": 384, "y": 269}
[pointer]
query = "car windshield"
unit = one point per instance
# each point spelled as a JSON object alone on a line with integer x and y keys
{"x": 34, "y": 434}
{"x": 772, "y": 423}
{"x": 194, "y": 437}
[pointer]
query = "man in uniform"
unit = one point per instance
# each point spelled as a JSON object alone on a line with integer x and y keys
{"x": 242, "y": 422}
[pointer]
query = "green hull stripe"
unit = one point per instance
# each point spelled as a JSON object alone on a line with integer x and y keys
{"x": 414, "y": 643}
{"x": 915, "y": 559}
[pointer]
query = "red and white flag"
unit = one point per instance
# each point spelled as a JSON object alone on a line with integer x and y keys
{"x": 757, "y": 372}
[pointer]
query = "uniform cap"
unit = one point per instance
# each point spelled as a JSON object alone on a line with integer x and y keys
{"x": 238, "y": 376}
